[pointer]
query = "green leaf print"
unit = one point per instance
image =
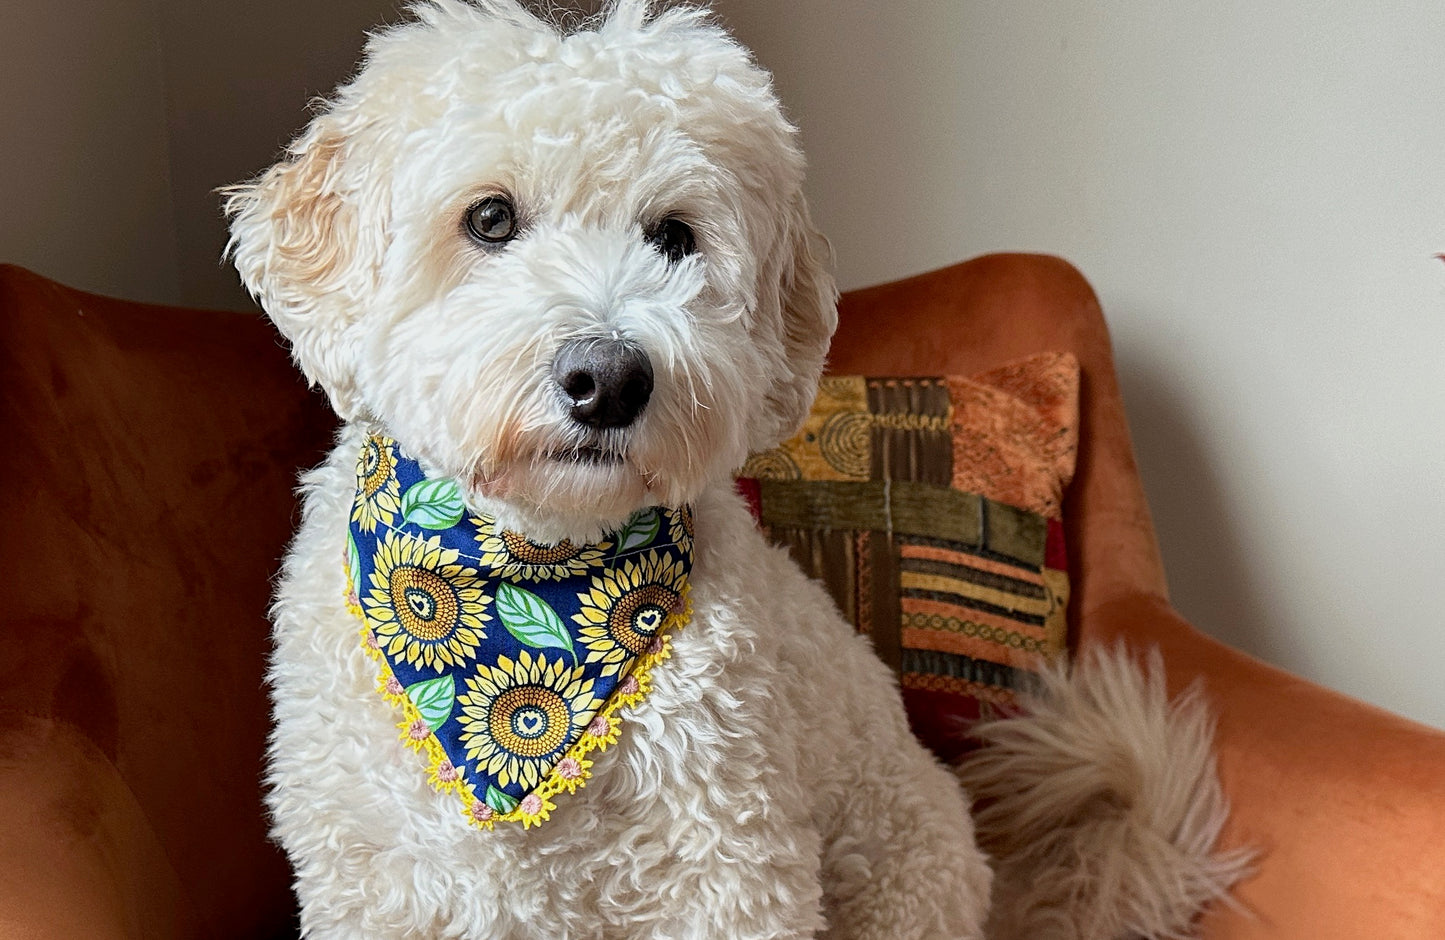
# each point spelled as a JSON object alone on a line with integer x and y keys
{"x": 640, "y": 530}
{"x": 353, "y": 565}
{"x": 433, "y": 699}
{"x": 433, "y": 504}
{"x": 499, "y": 801}
{"x": 531, "y": 620}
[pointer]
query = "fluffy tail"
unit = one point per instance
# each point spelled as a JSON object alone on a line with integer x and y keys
{"x": 1101, "y": 806}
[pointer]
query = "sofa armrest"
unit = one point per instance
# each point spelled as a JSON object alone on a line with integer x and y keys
{"x": 77, "y": 856}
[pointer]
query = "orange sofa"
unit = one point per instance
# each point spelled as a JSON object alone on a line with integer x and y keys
{"x": 152, "y": 455}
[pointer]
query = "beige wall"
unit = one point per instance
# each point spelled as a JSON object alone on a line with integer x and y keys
{"x": 1256, "y": 191}
{"x": 121, "y": 117}
{"x": 239, "y": 77}
{"x": 85, "y": 194}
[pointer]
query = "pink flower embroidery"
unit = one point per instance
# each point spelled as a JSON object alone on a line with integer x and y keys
{"x": 393, "y": 687}
{"x": 446, "y": 773}
{"x": 531, "y": 804}
{"x": 481, "y": 811}
{"x": 371, "y": 641}
{"x": 655, "y": 646}
{"x": 569, "y": 768}
{"x": 599, "y": 727}
{"x": 628, "y": 686}
{"x": 418, "y": 730}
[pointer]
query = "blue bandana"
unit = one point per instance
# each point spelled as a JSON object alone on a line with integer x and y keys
{"x": 508, "y": 661}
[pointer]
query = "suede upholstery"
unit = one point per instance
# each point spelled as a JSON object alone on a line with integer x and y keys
{"x": 152, "y": 455}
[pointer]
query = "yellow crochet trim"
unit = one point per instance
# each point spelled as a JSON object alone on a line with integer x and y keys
{"x": 537, "y": 806}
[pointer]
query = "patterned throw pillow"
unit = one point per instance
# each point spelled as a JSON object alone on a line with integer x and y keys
{"x": 930, "y": 509}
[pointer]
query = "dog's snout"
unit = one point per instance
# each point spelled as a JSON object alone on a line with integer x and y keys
{"x": 607, "y": 381}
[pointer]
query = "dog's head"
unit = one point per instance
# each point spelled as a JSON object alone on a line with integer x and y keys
{"x": 574, "y": 270}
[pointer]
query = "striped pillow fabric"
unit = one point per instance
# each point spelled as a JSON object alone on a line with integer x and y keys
{"x": 930, "y": 507}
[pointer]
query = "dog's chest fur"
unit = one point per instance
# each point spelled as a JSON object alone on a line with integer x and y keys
{"x": 738, "y": 752}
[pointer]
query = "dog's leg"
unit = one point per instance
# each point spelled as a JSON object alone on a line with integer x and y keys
{"x": 720, "y": 842}
{"x": 750, "y": 889}
{"x": 903, "y": 863}
{"x": 899, "y": 857}
{"x": 898, "y": 854}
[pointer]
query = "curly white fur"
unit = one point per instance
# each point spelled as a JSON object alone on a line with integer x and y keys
{"x": 769, "y": 786}
{"x": 354, "y": 247}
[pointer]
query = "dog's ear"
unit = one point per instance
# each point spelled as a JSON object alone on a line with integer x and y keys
{"x": 808, "y": 305}
{"x": 302, "y": 252}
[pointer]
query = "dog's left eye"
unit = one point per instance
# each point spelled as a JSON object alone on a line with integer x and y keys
{"x": 493, "y": 220}
{"x": 674, "y": 238}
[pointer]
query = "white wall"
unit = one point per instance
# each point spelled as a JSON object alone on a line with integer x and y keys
{"x": 1257, "y": 192}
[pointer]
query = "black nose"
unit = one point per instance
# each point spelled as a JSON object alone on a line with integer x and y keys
{"x": 608, "y": 381}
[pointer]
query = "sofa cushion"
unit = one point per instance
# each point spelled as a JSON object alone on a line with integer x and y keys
{"x": 931, "y": 510}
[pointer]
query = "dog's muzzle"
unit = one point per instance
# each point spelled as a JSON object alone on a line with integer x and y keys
{"x": 607, "y": 381}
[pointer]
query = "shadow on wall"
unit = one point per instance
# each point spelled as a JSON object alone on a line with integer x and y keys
{"x": 238, "y": 80}
{"x": 1211, "y": 580}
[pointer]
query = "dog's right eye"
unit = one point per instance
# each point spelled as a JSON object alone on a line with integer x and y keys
{"x": 493, "y": 220}
{"x": 674, "y": 238}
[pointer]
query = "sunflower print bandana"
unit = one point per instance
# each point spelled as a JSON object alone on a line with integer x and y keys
{"x": 509, "y": 662}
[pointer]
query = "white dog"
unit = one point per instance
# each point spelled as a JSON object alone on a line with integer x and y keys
{"x": 536, "y": 671}
{"x": 573, "y": 277}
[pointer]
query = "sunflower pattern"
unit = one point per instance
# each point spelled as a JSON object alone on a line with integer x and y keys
{"x": 520, "y": 715}
{"x": 514, "y": 556}
{"x": 509, "y": 662}
{"x": 679, "y": 527}
{"x": 626, "y": 605}
{"x": 424, "y": 607}
{"x": 378, "y": 492}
